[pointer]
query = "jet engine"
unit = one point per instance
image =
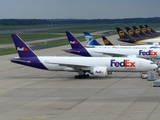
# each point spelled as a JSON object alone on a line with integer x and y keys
{"x": 99, "y": 71}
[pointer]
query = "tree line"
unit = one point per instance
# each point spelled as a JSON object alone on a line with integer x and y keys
{"x": 108, "y": 21}
{"x": 8, "y": 22}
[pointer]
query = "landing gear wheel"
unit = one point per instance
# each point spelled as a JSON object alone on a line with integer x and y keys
{"x": 76, "y": 77}
{"x": 87, "y": 75}
{"x": 83, "y": 76}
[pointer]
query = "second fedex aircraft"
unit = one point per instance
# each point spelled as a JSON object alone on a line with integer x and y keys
{"x": 97, "y": 66}
{"x": 141, "y": 51}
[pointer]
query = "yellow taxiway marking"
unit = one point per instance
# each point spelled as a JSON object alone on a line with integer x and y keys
{"x": 114, "y": 113}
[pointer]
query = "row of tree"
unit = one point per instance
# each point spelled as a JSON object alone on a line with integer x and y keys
{"x": 109, "y": 21}
{"x": 8, "y": 22}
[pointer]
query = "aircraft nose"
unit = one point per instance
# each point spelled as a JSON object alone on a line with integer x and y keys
{"x": 154, "y": 66}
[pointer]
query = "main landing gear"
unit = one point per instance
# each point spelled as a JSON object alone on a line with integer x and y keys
{"x": 82, "y": 76}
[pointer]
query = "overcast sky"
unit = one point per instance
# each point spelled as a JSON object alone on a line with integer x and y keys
{"x": 85, "y": 9}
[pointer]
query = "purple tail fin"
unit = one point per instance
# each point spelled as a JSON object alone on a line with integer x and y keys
{"x": 22, "y": 49}
{"x": 77, "y": 47}
{"x": 75, "y": 44}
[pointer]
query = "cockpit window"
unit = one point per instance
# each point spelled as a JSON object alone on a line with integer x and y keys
{"x": 152, "y": 63}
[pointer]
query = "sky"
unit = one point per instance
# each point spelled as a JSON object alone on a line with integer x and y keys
{"x": 78, "y": 9}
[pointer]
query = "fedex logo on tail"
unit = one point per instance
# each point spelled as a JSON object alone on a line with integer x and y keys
{"x": 148, "y": 53}
{"x": 21, "y": 49}
{"x": 73, "y": 42}
{"x": 124, "y": 63}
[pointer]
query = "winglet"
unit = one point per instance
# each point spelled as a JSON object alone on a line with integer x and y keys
{"x": 106, "y": 41}
{"x": 22, "y": 48}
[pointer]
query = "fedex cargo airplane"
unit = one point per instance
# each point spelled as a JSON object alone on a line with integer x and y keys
{"x": 141, "y": 51}
{"x": 97, "y": 66}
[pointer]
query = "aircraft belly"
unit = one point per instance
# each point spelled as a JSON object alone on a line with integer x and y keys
{"x": 93, "y": 54}
{"x": 56, "y": 67}
{"x": 128, "y": 69}
{"x": 124, "y": 69}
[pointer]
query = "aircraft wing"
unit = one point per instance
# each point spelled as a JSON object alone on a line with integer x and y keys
{"x": 73, "y": 65}
{"x": 112, "y": 54}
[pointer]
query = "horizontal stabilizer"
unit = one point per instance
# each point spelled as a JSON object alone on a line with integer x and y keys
{"x": 71, "y": 51}
{"x": 20, "y": 61}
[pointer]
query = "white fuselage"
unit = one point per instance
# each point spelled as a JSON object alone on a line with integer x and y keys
{"x": 113, "y": 64}
{"x": 141, "y": 51}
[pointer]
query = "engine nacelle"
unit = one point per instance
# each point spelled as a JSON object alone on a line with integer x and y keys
{"x": 100, "y": 71}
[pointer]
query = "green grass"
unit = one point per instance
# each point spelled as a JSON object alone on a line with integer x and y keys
{"x": 6, "y": 38}
{"x": 62, "y": 42}
{"x": 31, "y": 37}
{"x": 5, "y": 51}
{"x": 48, "y": 44}
{"x": 58, "y": 30}
{"x": 51, "y": 33}
{"x": 77, "y": 27}
{"x": 19, "y": 27}
{"x": 54, "y": 43}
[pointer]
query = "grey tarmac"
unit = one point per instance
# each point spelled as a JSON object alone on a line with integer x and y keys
{"x": 33, "y": 94}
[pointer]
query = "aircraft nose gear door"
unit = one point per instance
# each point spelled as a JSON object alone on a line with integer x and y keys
{"x": 143, "y": 74}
